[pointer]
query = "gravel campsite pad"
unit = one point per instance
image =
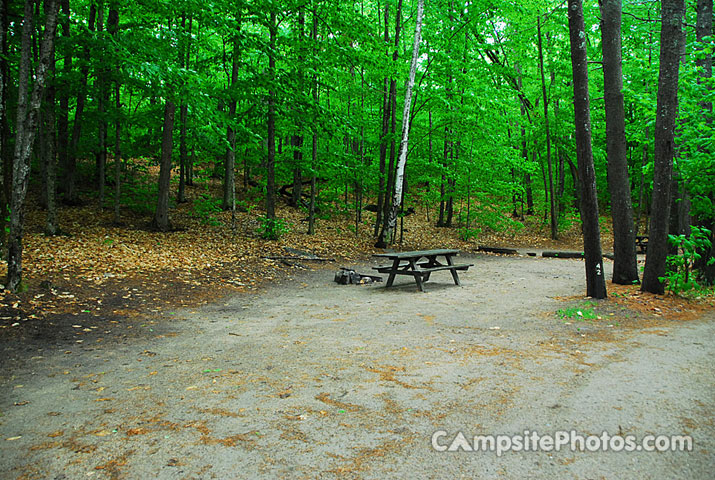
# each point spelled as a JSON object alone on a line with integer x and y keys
{"x": 309, "y": 379}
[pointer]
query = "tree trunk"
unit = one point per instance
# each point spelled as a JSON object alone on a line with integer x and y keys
{"x": 552, "y": 197}
{"x": 26, "y": 129}
{"x": 297, "y": 192}
{"x": 229, "y": 177}
{"x": 102, "y": 100}
{"x": 314, "y": 156}
{"x": 113, "y": 29}
{"x": 311, "y": 205}
{"x": 383, "y": 134}
{"x": 117, "y": 154}
{"x": 392, "y": 112}
{"x": 442, "y": 196}
{"x": 670, "y": 46}
{"x": 50, "y": 155}
{"x": 5, "y": 155}
{"x": 190, "y": 160}
{"x": 641, "y": 185}
{"x": 390, "y": 223}
{"x": 161, "y": 216}
{"x": 183, "y": 112}
{"x": 71, "y": 167}
{"x": 625, "y": 268}
{"x": 703, "y": 29}
{"x": 297, "y": 139}
{"x": 190, "y": 167}
{"x": 63, "y": 120}
{"x": 595, "y": 279}
{"x": 271, "y": 160}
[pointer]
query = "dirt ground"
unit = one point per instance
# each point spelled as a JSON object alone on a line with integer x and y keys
{"x": 308, "y": 379}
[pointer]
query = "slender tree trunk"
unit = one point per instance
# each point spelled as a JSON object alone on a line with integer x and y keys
{"x": 71, "y": 167}
{"x": 552, "y": 204}
{"x": 392, "y": 99}
{"x": 183, "y": 113}
{"x": 443, "y": 182}
{"x": 525, "y": 157}
{"x": 625, "y": 268}
{"x": 314, "y": 159}
{"x": 113, "y": 29}
{"x": 383, "y": 134}
{"x": 388, "y": 234}
{"x": 641, "y": 185}
{"x": 50, "y": 154}
{"x": 26, "y": 129}
{"x": 561, "y": 173}
{"x": 161, "y": 216}
{"x": 190, "y": 167}
{"x": 575, "y": 178}
{"x": 314, "y": 156}
{"x": 246, "y": 173}
{"x": 5, "y": 154}
{"x": 704, "y": 28}
{"x": 102, "y": 100}
{"x": 524, "y": 150}
{"x": 297, "y": 139}
{"x": 63, "y": 139}
{"x": 391, "y": 172}
{"x": 117, "y": 155}
{"x": 595, "y": 278}
{"x": 271, "y": 160}
{"x": 679, "y": 195}
{"x": 544, "y": 178}
{"x": 670, "y": 46}
{"x": 229, "y": 177}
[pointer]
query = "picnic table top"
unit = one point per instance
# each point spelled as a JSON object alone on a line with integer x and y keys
{"x": 418, "y": 253}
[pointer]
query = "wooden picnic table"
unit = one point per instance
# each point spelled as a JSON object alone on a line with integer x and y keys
{"x": 420, "y": 265}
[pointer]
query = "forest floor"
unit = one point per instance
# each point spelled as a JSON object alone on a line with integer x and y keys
{"x": 189, "y": 355}
{"x": 309, "y": 379}
{"x": 100, "y": 269}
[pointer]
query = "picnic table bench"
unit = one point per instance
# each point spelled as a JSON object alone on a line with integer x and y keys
{"x": 642, "y": 243}
{"x": 420, "y": 265}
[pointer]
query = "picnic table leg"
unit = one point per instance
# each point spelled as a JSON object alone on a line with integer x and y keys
{"x": 418, "y": 281}
{"x": 418, "y": 276}
{"x": 391, "y": 278}
{"x": 431, "y": 260}
{"x": 453, "y": 271}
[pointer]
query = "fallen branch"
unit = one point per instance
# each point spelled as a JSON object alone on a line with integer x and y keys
{"x": 562, "y": 254}
{"x": 504, "y": 251}
{"x": 312, "y": 259}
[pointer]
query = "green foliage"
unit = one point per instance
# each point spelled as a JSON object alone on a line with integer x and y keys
{"x": 205, "y": 207}
{"x": 476, "y": 104}
{"x": 570, "y": 217}
{"x": 467, "y": 234}
{"x": 22, "y": 287}
{"x": 244, "y": 206}
{"x": 272, "y": 228}
{"x": 584, "y": 312}
{"x": 496, "y": 218}
{"x": 680, "y": 278}
{"x": 140, "y": 197}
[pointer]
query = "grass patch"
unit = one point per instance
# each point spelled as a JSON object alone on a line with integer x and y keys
{"x": 584, "y": 312}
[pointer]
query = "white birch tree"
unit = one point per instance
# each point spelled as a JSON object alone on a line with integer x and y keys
{"x": 391, "y": 223}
